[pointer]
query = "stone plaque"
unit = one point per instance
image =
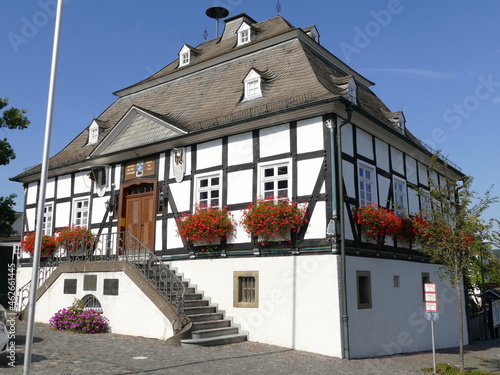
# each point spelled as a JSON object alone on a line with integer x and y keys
{"x": 110, "y": 287}
{"x": 90, "y": 282}
{"x": 69, "y": 286}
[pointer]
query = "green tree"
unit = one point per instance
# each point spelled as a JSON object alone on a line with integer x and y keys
{"x": 11, "y": 118}
{"x": 454, "y": 229}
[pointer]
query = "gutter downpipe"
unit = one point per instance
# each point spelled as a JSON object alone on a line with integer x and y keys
{"x": 339, "y": 214}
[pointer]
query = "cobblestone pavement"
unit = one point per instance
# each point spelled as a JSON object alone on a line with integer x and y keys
{"x": 56, "y": 352}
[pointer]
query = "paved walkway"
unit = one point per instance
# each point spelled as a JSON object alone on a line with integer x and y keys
{"x": 56, "y": 352}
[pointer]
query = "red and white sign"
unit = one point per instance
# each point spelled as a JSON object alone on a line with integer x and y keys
{"x": 430, "y": 297}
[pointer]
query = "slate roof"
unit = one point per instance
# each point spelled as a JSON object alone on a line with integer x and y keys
{"x": 208, "y": 92}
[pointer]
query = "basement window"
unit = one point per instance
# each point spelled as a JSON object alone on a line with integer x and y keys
{"x": 246, "y": 289}
{"x": 363, "y": 285}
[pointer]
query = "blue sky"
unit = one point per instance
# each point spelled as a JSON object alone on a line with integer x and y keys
{"x": 438, "y": 61}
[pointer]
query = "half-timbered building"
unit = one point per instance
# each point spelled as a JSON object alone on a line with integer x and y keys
{"x": 263, "y": 110}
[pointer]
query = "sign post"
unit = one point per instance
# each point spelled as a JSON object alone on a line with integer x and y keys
{"x": 431, "y": 313}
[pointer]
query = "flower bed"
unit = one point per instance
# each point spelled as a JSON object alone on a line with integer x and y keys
{"x": 76, "y": 319}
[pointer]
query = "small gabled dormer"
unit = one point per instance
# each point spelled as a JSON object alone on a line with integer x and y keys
{"x": 347, "y": 87}
{"x": 185, "y": 55}
{"x": 244, "y": 34}
{"x": 313, "y": 33}
{"x": 397, "y": 120}
{"x": 93, "y": 133}
{"x": 252, "y": 85}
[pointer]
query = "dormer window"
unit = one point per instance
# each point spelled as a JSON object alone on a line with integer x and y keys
{"x": 93, "y": 133}
{"x": 313, "y": 34}
{"x": 244, "y": 34}
{"x": 401, "y": 122}
{"x": 252, "y": 84}
{"x": 352, "y": 91}
{"x": 184, "y": 56}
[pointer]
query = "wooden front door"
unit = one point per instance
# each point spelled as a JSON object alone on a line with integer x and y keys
{"x": 140, "y": 215}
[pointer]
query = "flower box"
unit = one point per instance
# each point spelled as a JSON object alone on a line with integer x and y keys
{"x": 273, "y": 220}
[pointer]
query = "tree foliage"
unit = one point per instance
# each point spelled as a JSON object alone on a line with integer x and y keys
{"x": 7, "y": 215}
{"x": 11, "y": 118}
{"x": 453, "y": 231}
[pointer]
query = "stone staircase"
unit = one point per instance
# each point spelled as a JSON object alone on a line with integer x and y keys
{"x": 209, "y": 326}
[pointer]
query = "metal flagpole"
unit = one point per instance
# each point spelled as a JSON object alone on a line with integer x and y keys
{"x": 41, "y": 196}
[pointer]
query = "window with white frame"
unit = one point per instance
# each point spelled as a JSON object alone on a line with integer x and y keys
{"x": 48, "y": 211}
{"x": 244, "y": 34}
{"x": 399, "y": 196}
{"x": 81, "y": 212}
{"x": 184, "y": 56}
{"x": 93, "y": 133}
{"x": 366, "y": 184}
{"x": 275, "y": 180}
{"x": 185, "y": 59}
{"x": 252, "y": 84}
{"x": 208, "y": 190}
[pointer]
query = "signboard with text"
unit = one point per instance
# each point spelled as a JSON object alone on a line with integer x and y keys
{"x": 430, "y": 301}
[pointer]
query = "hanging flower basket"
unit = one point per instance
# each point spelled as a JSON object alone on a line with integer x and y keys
{"x": 76, "y": 240}
{"x": 273, "y": 220}
{"x": 377, "y": 222}
{"x": 47, "y": 248}
{"x": 207, "y": 226}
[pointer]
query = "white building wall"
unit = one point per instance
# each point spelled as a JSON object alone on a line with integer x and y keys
{"x": 240, "y": 149}
{"x": 298, "y": 298}
{"x": 274, "y": 140}
{"x": 364, "y": 143}
{"x": 30, "y": 219}
{"x": 241, "y": 186}
{"x": 62, "y": 215}
{"x": 125, "y": 311}
{"x": 397, "y": 161}
{"x": 308, "y": 172}
{"x": 382, "y": 152}
{"x": 64, "y": 186}
{"x": 347, "y": 139}
{"x": 32, "y": 193}
{"x": 310, "y": 135}
{"x": 50, "y": 191}
{"x": 209, "y": 154}
{"x": 396, "y": 322}
{"x": 83, "y": 183}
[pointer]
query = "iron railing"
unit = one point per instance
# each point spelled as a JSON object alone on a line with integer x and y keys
{"x": 113, "y": 247}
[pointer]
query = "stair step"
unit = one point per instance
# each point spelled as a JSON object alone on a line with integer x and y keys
{"x": 214, "y": 332}
{"x": 192, "y": 296}
{"x": 190, "y": 290}
{"x": 210, "y": 324}
{"x": 199, "y": 310}
{"x": 212, "y": 341}
{"x": 205, "y": 317}
{"x": 196, "y": 302}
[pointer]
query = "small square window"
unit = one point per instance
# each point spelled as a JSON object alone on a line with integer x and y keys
{"x": 246, "y": 289}
{"x": 363, "y": 284}
{"x": 69, "y": 286}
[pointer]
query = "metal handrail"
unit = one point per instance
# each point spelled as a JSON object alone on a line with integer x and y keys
{"x": 112, "y": 247}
